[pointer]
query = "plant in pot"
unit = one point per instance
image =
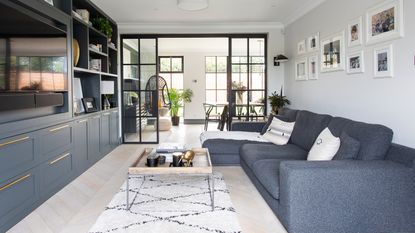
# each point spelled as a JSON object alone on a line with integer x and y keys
{"x": 177, "y": 99}
{"x": 103, "y": 25}
{"x": 277, "y": 101}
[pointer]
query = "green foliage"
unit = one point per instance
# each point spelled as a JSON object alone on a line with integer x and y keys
{"x": 278, "y": 100}
{"x": 177, "y": 98}
{"x": 103, "y": 25}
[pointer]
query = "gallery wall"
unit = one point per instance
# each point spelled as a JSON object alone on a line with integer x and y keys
{"x": 361, "y": 97}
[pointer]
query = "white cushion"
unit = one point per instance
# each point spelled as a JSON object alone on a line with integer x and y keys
{"x": 325, "y": 147}
{"x": 279, "y": 132}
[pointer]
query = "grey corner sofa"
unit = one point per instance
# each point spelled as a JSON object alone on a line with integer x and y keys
{"x": 373, "y": 193}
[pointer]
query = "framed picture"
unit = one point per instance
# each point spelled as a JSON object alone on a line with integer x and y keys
{"x": 385, "y": 22}
{"x": 313, "y": 67}
{"x": 332, "y": 53}
{"x": 355, "y": 63}
{"x": 301, "y": 70}
{"x": 49, "y": 1}
{"x": 89, "y": 105}
{"x": 313, "y": 43}
{"x": 355, "y": 32}
{"x": 383, "y": 61}
{"x": 301, "y": 47}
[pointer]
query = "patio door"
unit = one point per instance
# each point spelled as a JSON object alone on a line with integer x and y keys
{"x": 140, "y": 118}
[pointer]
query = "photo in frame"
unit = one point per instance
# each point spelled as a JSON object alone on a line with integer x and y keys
{"x": 313, "y": 67}
{"x": 332, "y": 53}
{"x": 355, "y": 32}
{"x": 383, "y": 62}
{"x": 50, "y": 2}
{"x": 385, "y": 22}
{"x": 301, "y": 47}
{"x": 78, "y": 107}
{"x": 89, "y": 105}
{"x": 301, "y": 69}
{"x": 355, "y": 63}
{"x": 313, "y": 43}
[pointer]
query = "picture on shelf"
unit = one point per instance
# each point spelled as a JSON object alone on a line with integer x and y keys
{"x": 355, "y": 63}
{"x": 383, "y": 60}
{"x": 301, "y": 71}
{"x": 313, "y": 43}
{"x": 78, "y": 107}
{"x": 385, "y": 21}
{"x": 301, "y": 47}
{"x": 332, "y": 53}
{"x": 312, "y": 67}
{"x": 355, "y": 35}
{"x": 89, "y": 105}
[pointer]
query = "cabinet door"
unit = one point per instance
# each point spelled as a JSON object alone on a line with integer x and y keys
{"x": 94, "y": 129}
{"x": 80, "y": 151}
{"x": 105, "y": 133}
{"x": 114, "y": 128}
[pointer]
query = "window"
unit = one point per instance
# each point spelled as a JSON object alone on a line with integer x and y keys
{"x": 216, "y": 80}
{"x": 171, "y": 69}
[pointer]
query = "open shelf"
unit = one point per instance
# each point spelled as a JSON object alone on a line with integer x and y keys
{"x": 96, "y": 52}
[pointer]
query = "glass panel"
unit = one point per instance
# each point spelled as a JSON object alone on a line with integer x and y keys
{"x": 130, "y": 51}
{"x": 130, "y": 77}
{"x": 256, "y": 102}
{"x": 257, "y": 80}
{"x": 167, "y": 77}
{"x": 210, "y": 81}
{"x": 131, "y": 103}
{"x": 222, "y": 81}
{"x": 239, "y": 81}
{"x": 165, "y": 64}
{"x": 222, "y": 96}
{"x": 149, "y": 103}
{"x": 131, "y": 129}
{"x": 256, "y": 47}
{"x": 240, "y": 47}
{"x": 177, "y": 65}
{"x": 210, "y": 96}
{"x": 146, "y": 72}
{"x": 149, "y": 129}
{"x": 147, "y": 51}
{"x": 222, "y": 64}
{"x": 177, "y": 81}
{"x": 211, "y": 64}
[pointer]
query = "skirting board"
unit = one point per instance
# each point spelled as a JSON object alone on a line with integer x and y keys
{"x": 194, "y": 121}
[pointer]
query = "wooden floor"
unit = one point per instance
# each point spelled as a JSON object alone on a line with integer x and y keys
{"x": 76, "y": 207}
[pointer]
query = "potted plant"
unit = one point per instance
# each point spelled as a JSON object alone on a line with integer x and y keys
{"x": 103, "y": 25}
{"x": 277, "y": 101}
{"x": 177, "y": 98}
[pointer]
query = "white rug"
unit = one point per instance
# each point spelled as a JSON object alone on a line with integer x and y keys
{"x": 170, "y": 204}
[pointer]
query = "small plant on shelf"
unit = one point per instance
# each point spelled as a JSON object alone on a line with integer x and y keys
{"x": 103, "y": 25}
{"x": 277, "y": 101}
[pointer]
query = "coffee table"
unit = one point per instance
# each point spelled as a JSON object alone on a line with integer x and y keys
{"x": 202, "y": 166}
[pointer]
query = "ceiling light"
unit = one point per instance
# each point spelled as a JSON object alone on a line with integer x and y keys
{"x": 192, "y": 5}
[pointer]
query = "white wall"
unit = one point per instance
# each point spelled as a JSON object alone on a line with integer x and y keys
{"x": 359, "y": 97}
{"x": 274, "y": 31}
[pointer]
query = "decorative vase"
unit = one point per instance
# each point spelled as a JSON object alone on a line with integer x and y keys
{"x": 175, "y": 120}
{"x": 76, "y": 52}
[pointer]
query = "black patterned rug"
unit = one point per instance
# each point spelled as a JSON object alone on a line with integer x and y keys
{"x": 170, "y": 204}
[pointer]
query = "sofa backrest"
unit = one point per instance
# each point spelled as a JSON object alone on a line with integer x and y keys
{"x": 401, "y": 154}
{"x": 308, "y": 126}
{"x": 375, "y": 140}
{"x": 290, "y": 114}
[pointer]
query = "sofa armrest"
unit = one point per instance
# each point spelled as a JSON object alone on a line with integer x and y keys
{"x": 347, "y": 196}
{"x": 248, "y": 126}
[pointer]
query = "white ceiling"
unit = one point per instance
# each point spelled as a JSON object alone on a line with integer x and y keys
{"x": 219, "y": 11}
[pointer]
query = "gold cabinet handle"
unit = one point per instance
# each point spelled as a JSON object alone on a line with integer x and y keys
{"x": 14, "y": 182}
{"x": 59, "y": 128}
{"x": 14, "y": 141}
{"x": 82, "y": 121}
{"x": 59, "y": 159}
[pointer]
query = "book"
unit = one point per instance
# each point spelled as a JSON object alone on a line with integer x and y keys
{"x": 170, "y": 148}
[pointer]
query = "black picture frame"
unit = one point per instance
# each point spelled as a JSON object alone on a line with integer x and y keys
{"x": 89, "y": 105}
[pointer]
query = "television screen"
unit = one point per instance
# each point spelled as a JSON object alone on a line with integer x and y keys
{"x": 33, "y": 65}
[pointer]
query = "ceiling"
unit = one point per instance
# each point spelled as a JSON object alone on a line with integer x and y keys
{"x": 219, "y": 11}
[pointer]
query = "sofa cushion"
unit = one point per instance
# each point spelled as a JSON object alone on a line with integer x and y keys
{"x": 270, "y": 119}
{"x": 267, "y": 172}
{"x": 349, "y": 148}
{"x": 250, "y": 153}
{"x": 307, "y": 127}
{"x": 375, "y": 140}
{"x": 279, "y": 132}
{"x": 290, "y": 114}
{"x": 226, "y": 146}
{"x": 325, "y": 147}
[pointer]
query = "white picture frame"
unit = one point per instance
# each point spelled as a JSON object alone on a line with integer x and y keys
{"x": 332, "y": 53}
{"x": 385, "y": 22}
{"x": 313, "y": 69}
{"x": 301, "y": 47}
{"x": 355, "y": 62}
{"x": 301, "y": 69}
{"x": 355, "y": 32}
{"x": 313, "y": 43}
{"x": 50, "y": 2}
{"x": 383, "y": 60}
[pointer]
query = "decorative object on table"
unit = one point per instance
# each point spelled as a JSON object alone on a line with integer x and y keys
{"x": 161, "y": 159}
{"x": 383, "y": 62}
{"x": 50, "y": 2}
{"x": 107, "y": 88}
{"x": 240, "y": 89}
{"x": 332, "y": 53}
{"x": 95, "y": 64}
{"x": 280, "y": 59}
{"x": 76, "y": 51}
{"x": 84, "y": 13}
{"x": 177, "y": 159}
{"x": 171, "y": 148}
{"x": 301, "y": 69}
{"x": 385, "y": 22}
{"x": 277, "y": 101}
{"x": 152, "y": 161}
{"x": 188, "y": 157}
{"x": 177, "y": 99}
{"x": 355, "y": 63}
{"x": 301, "y": 47}
{"x": 89, "y": 105}
{"x": 355, "y": 32}
{"x": 103, "y": 25}
{"x": 313, "y": 67}
{"x": 313, "y": 43}
{"x": 77, "y": 96}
